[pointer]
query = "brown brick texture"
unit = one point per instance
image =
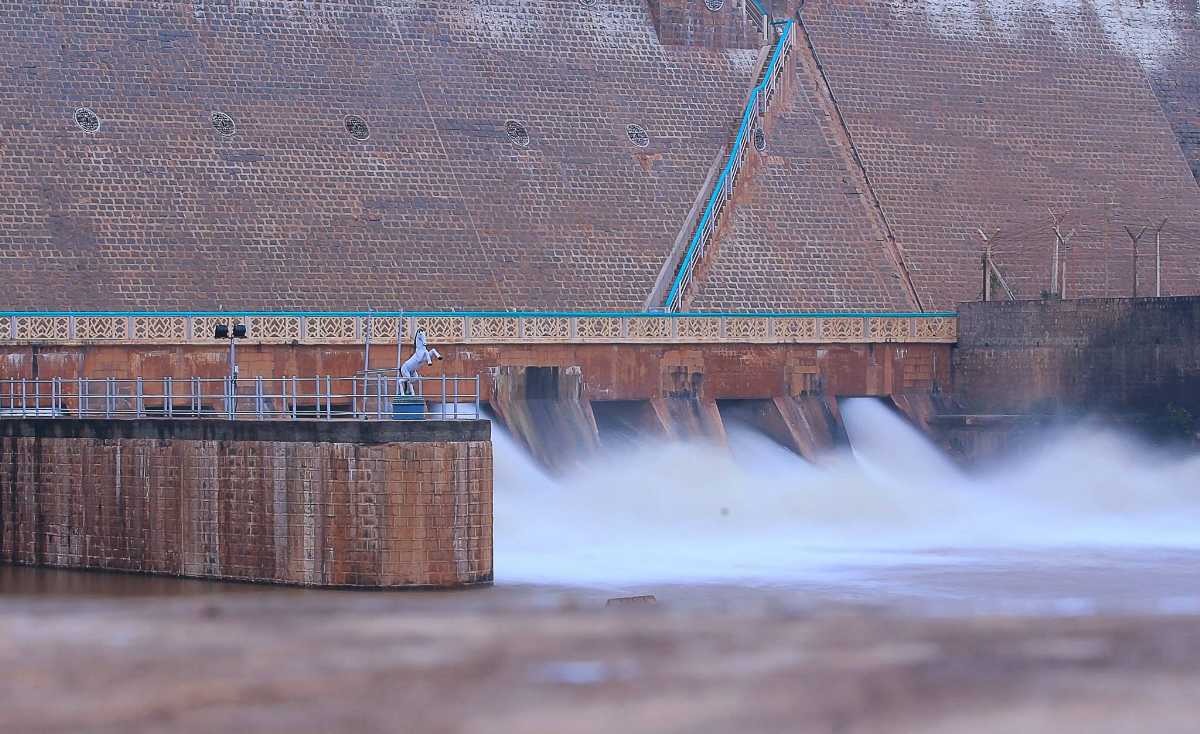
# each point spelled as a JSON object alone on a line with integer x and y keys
{"x": 1171, "y": 54}
{"x": 965, "y": 115}
{"x": 437, "y": 209}
{"x": 798, "y": 235}
{"x": 318, "y": 514}
{"x": 1134, "y": 356}
{"x": 966, "y": 119}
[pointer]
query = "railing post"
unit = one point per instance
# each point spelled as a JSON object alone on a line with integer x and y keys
{"x": 168, "y": 397}
{"x": 196, "y": 396}
{"x": 81, "y": 395}
{"x": 476, "y": 397}
{"x": 24, "y": 398}
{"x": 138, "y": 401}
{"x": 379, "y": 396}
{"x": 443, "y": 400}
{"x": 108, "y": 397}
{"x": 455, "y": 399}
{"x": 328, "y": 397}
{"x": 258, "y": 397}
{"x": 294, "y": 396}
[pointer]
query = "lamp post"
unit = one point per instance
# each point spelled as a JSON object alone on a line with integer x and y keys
{"x": 223, "y": 331}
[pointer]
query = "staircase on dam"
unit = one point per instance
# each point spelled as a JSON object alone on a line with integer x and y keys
{"x": 670, "y": 290}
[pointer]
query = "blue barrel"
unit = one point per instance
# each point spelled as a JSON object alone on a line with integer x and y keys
{"x": 408, "y": 408}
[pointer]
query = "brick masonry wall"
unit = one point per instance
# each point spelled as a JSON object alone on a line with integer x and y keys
{"x": 296, "y": 512}
{"x": 1125, "y": 355}
{"x": 1172, "y": 29}
{"x": 798, "y": 234}
{"x": 437, "y": 209}
{"x": 610, "y": 372}
{"x": 978, "y": 115}
{"x": 964, "y": 119}
{"x": 694, "y": 23}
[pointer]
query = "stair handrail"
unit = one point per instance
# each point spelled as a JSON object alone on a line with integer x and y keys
{"x": 758, "y": 14}
{"x": 757, "y": 101}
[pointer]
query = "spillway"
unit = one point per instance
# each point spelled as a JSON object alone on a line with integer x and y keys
{"x": 673, "y": 513}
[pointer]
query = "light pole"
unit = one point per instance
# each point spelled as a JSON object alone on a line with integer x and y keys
{"x": 222, "y": 331}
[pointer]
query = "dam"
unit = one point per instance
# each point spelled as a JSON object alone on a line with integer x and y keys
{"x": 801, "y": 365}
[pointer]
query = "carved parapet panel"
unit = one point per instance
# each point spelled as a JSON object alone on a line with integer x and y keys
{"x": 651, "y": 328}
{"x": 747, "y": 329}
{"x": 796, "y": 330}
{"x": 889, "y": 329}
{"x": 698, "y": 329}
{"x": 330, "y": 328}
{"x": 843, "y": 329}
{"x": 273, "y": 328}
{"x": 384, "y": 328}
{"x": 489, "y": 328}
{"x": 598, "y": 328}
{"x": 940, "y": 329}
{"x": 203, "y": 326}
{"x": 494, "y": 328}
{"x": 160, "y": 328}
{"x": 444, "y": 329}
{"x": 546, "y": 328}
{"x": 42, "y": 327}
{"x": 108, "y": 328}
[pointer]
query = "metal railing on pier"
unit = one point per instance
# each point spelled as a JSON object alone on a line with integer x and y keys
{"x": 372, "y": 395}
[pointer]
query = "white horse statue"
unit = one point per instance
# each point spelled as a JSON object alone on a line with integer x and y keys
{"x": 410, "y": 370}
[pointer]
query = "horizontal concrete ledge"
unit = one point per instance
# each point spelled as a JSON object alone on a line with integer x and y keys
{"x": 347, "y": 431}
{"x": 480, "y": 583}
{"x": 18, "y": 329}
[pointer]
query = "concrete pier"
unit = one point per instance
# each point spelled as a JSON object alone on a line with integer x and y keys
{"x": 334, "y": 503}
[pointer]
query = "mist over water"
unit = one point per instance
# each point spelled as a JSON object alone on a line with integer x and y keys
{"x": 658, "y": 512}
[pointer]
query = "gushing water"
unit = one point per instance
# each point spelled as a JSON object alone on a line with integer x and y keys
{"x": 684, "y": 514}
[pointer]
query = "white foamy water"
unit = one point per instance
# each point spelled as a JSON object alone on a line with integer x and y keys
{"x": 686, "y": 514}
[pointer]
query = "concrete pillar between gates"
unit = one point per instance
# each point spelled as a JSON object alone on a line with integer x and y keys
{"x": 689, "y": 419}
{"x": 810, "y": 425}
{"x": 544, "y": 409}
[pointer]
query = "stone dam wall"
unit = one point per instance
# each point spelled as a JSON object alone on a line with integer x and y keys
{"x": 1133, "y": 356}
{"x": 533, "y": 155}
{"x": 345, "y": 504}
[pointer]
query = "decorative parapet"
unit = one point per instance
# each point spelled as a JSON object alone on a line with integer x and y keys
{"x": 482, "y": 328}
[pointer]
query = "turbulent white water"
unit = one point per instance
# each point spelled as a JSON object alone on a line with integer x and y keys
{"x": 675, "y": 513}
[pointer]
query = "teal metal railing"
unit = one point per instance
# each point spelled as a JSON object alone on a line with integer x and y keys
{"x": 722, "y": 191}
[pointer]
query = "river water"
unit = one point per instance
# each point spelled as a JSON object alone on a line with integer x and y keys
{"x": 1091, "y": 522}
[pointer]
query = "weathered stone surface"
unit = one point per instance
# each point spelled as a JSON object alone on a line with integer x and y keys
{"x": 545, "y": 410}
{"x": 286, "y": 506}
{"x": 810, "y": 425}
{"x": 609, "y": 371}
{"x": 438, "y": 208}
{"x": 960, "y": 116}
{"x": 1117, "y": 355}
{"x": 981, "y": 114}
